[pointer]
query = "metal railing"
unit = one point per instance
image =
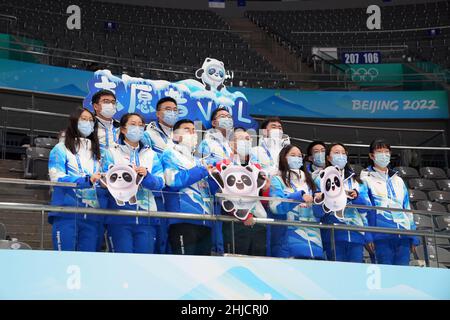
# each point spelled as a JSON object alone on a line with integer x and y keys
{"x": 435, "y": 132}
{"x": 218, "y": 217}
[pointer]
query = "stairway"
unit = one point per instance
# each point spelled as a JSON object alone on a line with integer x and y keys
{"x": 269, "y": 48}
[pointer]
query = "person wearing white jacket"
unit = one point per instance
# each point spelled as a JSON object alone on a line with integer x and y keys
{"x": 76, "y": 160}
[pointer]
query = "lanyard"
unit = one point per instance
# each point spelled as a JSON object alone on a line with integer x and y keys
{"x": 162, "y": 133}
{"x": 226, "y": 153}
{"x": 80, "y": 167}
{"x": 268, "y": 152}
{"x": 135, "y": 154}
{"x": 107, "y": 133}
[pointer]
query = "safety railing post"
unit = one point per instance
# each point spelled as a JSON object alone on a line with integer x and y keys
{"x": 333, "y": 244}
{"x": 42, "y": 229}
{"x": 233, "y": 244}
{"x": 425, "y": 251}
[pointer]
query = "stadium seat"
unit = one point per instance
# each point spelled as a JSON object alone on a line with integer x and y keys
{"x": 423, "y": 222}
{"x": 434, "y": 253}
{"x": 48, "y": 143}
{"x": 417, "y": 195}
{"x": 443, "y": 222}
{"x": 443, "y": 185}
{"x": 407, "y": 172}
{"x": 432, "y": 173}
{"x": 36, "y": 163}
{"x": 14, "y": 245}
{"x": 430, "y": 206}
{"x": 2, "y": 231}
{"x": 422, "y": 184}
{"x": 439, "y": 196}
{"x": 441, "y": 242}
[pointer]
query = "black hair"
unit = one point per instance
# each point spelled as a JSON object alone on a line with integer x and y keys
{"x": 312, "y": 145}
{"x": 178, "y": 124}
{"x": 378, "y": 144}
{"x": 72, "y": 135}
{"x": 214, "y": 113}
{"x": 96, "y": 97}
{"x": 347, "y": 169}
{"x": 165, "y": 99}
{"x": 124, "y": 120}
{"x": 283, "y": 166}
{"x": 266, "y": 122}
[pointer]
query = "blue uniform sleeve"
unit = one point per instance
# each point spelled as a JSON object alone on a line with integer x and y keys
{"x": 371, "y": 214}
{"x": 178, "y": 177}
{"x": 154, "y": 180}
{"x": 106, "y": 161}
{"x": 363, "y": 198}
{"x": 147, "y": 140}
{"x": 59, "y": 171}
{"x": 277, "y": 189}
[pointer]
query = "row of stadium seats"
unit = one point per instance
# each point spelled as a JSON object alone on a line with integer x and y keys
{"x": 352, "y": 23}
{"x": 143, "y": 33}
{"x": 6, "y": 243}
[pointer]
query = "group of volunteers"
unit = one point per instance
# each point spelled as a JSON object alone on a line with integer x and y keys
{"x": 175, "y": 168}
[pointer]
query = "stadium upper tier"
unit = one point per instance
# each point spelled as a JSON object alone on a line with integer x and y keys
{"x": 409, "y": 25}
{"x": 163, "y": 43}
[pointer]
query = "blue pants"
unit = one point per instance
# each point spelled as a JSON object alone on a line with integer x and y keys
{"x": 393, "y": 251}
{"x": 101, "y": 236}
{"x": 346, "y": 251}
{"x": 70, "y": 234}
{"x": 162, "y": 231}
{"x": 131, "y": 238}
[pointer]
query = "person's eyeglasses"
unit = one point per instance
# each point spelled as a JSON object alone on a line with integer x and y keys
{"x": 224, "y": 116}
{"x": 114, "y": 102}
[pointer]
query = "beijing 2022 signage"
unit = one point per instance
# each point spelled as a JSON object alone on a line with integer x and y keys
{"x": 196, "y": 100}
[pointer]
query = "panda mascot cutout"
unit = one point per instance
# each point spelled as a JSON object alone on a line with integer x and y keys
{"x": 334, "y": 195}
{"x": 212, "y": 74}
{"x": 123, "y": 183}
{"x": 243, "y": 181}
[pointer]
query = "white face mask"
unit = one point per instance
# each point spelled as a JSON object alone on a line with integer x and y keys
{"x": 108, "y": 110}
{"x": 276, "y": 134}
{"x": 243, "y": 148}
{"x": 189, "y": 140}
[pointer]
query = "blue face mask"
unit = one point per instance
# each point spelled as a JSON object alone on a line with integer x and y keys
{"x": 134, "y": 133}
{"x": 382, "y": 159}
{"x": 319, "y": 159}
{"x": 295, "y": 162}
{"x": 226, "y": 123}
{"x": 170, "y": 117}
{"x": 85, "y": 127}
{"x": 339, "y": 160}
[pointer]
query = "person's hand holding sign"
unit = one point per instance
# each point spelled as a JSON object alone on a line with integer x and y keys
{"x": 142, "y": 171}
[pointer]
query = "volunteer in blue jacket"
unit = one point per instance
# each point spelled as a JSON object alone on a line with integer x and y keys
{"x": 76, "y": 160}
{"x": 270, "y": 144}
{"x": 190, "y": 191}
{"x": 294, "y": 182}
{"x": 315, "y": 158}
{"x": 349, "y": 244}
{"x": 216, "y": 145}
{"x": 105, "y": 107}
{"x": 387, "y": 189}
{"x": 158, "y": 136}
{"x": 134, "y": 234}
